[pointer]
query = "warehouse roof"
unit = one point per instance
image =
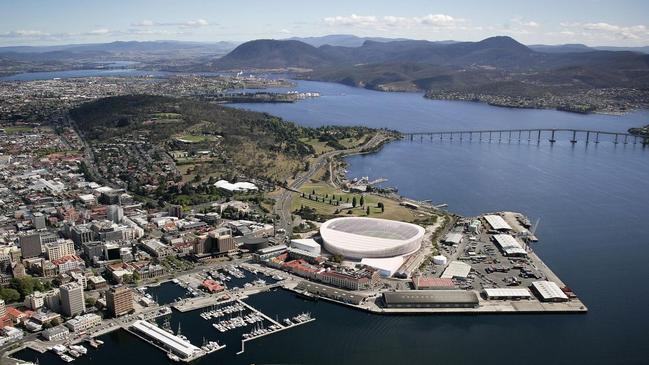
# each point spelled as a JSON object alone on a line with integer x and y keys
{"x": 497, "y": 222}
{"x": 549, "y": 290}
{"x": 509, "y": 244}
{"x": 453, "y": 238}
{"x": 430, "y": 296}
{"x": 507, "y": 293}
{"x": 456, "y": 269}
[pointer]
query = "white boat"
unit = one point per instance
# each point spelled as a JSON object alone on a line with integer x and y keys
{"x": 80, "y": 349}
{"x": 59, "y": 349}
{"x": 173, "y": 357}
{"x": 66, "y": 358}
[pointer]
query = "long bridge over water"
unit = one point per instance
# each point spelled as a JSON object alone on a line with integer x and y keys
{"x": 530, "y": 135}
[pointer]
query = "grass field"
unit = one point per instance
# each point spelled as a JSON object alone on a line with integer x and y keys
{"x": 17, "y": 129}
{"x": 321, "y": 147}
{"x": 196, "y": 138}
{"x": 392, "y": 211}
{"x": 166, "y": 115}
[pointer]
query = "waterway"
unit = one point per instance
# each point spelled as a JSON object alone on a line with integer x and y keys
{"x": 591, "y": 200}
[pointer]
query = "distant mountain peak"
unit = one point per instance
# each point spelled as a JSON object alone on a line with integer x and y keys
{"x": 502, "y": 41}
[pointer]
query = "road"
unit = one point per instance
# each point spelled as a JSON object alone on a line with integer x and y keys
{"x": 282, "y": 206}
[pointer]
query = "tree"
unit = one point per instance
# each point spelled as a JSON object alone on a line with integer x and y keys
{"x": 9, "y": 295}
{"x": 367, "y": 211}
{"x": 90, "y": 301}
{"x": 136, "y": 276}
{"x": 362, "y": 201}
{"x": 381, "y": 206}
{"x": 354, "y": 202}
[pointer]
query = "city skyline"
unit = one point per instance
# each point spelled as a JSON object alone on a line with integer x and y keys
{"x": 594, "y": 23}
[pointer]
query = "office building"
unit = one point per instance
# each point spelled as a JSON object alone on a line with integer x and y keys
{"x": 59, "y": 249}
{"x": 72, "y": 299}
{"x": 30, "y": 245}
{"x": 115, "y": 213}
{"x": 119, "y": 300}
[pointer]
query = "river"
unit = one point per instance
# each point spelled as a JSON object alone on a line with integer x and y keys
{"x": 591, "y": 200}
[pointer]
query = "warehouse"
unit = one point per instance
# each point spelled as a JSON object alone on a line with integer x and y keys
{"x": 509, "y": 245}
{"x": 428, "y": 283}
{"x": 453, "y": 238}
{"x": 549, "y": 291}
{"x": 497, "y": 222}
{"x": 430, "y": 299}
{"x": 507, "y": 293}
{"x": 456, "y": 269}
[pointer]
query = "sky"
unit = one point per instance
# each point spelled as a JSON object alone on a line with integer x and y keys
{"x": 591, "y": 22}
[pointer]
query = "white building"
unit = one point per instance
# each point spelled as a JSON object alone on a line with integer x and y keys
{"x": 58, "y": 333}
{"x": 549, "y": 291}
{"x": 59, "y": 249}
{"x": 72, "y": 299}
{"x": 115, "y": 213}
{"x": 308, "y": 245}
{"x": 35, "y": 300}
{"x": 84, "y": 322}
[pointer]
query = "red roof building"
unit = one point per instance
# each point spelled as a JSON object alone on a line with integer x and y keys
{"x": 212, "y": 286}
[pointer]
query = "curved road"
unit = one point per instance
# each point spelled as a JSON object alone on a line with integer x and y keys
{"x": 282, "y": 206}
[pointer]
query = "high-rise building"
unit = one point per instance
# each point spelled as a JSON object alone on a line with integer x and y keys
{"x": 115, "y": 213}
{"x": 175, "y": 211}
{"x": 3, "y": 308}
{"x": 53, "y": 300}
{"x": 30, "y": 245}
{"x": 59, "y": 249}
{"x": 72, "y": 299}
{"x": 225, "y": 243}
{"x": 119, "y": 300}
{"x": 81, "y": 234}
{"x": 34, "y": 300}
{"x": 38, "y": 220}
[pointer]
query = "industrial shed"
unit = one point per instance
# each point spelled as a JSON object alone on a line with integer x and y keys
{"x": 497, "y": 222}
{"x": 430, "y": 299}
{"x": 507, "y": 293}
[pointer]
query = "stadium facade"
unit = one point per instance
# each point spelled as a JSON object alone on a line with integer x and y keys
{"x": 358, "y": 237}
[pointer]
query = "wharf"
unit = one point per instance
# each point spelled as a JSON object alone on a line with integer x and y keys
{"x": 282, "y": 328}
{"x": 190, "y": 304}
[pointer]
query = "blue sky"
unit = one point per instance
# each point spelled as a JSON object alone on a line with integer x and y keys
{"x": 593, "y": 22}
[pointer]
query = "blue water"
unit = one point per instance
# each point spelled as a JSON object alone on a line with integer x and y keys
{"x": 411, "y": 112}
{"x": 592, "y": 203}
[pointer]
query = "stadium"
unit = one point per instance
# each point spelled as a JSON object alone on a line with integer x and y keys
{"x": 358, "y": 238}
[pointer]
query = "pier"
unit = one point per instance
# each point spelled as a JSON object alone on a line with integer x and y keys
{"x": 551, "y": 135}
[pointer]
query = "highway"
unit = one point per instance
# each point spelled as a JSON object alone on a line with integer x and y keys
{"x": 282, "y": 206}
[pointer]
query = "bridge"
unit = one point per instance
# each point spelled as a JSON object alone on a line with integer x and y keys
{"x": 529, "y": 135}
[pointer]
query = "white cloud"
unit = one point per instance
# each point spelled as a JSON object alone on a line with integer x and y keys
{"x": 435, "y": 21}
{"x": 607, "y": 31}
{"x": 194, "y": 23}
{"x": 24, "y": 34}
{"x": 525, "y": 23}
{"x": 102, "y": 31}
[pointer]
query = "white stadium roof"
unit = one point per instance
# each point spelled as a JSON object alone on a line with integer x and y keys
{"x": 357, "y": 237}
{"x": 497, "y": 222}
